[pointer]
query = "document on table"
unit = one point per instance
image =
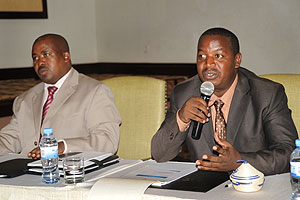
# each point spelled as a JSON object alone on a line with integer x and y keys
{"x": 132, "y": 182}
{"x": 163, "y": 173}
{"x": 92, "y": 161}
{"x": 117, "y": 188}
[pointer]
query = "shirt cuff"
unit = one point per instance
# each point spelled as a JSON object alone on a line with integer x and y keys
{"x": 65, "y": 144}
{"x": 181, "y": 125}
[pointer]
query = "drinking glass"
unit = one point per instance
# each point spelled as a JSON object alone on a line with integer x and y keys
{"x": 73, "y": 168}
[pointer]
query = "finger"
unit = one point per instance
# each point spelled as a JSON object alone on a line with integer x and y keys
{"x": 220, "y": 150}
{"x": 195, "y": 109}
{"x": 186, "y": 114}
{"x": 33, "y": 155}
{"x": 197, "y": 102}
{"x": 218, "y": 140}
{"x": 222, "y": 143}
{"x": 212, "y": 159}
{"x": 199, "y": 116}
{"x": 202, "y": 108}
{"x": 38, "y": 153}
{"x": 206, "y": 165}
{"x": 208, "y": 168}
{"x": 183, "y": 116}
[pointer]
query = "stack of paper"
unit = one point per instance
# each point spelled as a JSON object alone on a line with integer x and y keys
{"x": 162, "y": 173}
{"x": 92, "y": 161}
{"x": 132, "y": 182}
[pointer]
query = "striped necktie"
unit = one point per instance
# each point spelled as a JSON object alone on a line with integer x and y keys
{"x": 51, "y": 91}
{"x": 220, "y": 124}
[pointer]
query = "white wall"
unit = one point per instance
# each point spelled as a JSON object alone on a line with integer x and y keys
{"x": 160, "y": 31}
{"x": 168, "y": 30}
{"x": 74, "y": 19}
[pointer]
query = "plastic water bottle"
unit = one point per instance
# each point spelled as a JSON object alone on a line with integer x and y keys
{"x": 49, "y": 157}
{"x": 295, "y": 171}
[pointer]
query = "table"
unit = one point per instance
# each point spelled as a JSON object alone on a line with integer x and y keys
{"x": 276, "y": 187}
{"x": 30, "y": 187}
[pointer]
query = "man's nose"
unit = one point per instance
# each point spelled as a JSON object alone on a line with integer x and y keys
{"x": 41, "y": 60}
{"x": 210, "y": 61}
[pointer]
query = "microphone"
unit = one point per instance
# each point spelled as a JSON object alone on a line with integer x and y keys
{"x": 206, "y": 90}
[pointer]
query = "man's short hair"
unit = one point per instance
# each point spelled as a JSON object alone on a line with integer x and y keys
{"x": 58, "y": 40}
{"x": 224, "y": 32}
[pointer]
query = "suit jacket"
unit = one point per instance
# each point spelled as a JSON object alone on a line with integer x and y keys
{"x": 259, "y": 125}
{"x": 82, "y": 113}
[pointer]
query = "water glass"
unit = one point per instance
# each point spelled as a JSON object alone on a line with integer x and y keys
{"x": 73, "y": 168}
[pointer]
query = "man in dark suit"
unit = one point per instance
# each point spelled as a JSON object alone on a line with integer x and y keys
{"x": 258, "y": 126}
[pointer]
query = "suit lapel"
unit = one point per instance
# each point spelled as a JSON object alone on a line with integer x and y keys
{"x": 209, "y": 132}
{"x": 37, "y": 107}
{"x": 66, "y": 90}
{"x": 238, "y": 107}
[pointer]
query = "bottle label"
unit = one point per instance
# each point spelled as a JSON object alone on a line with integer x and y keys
{"x": 49, "y": 152}
{"x": 295, "y": 169}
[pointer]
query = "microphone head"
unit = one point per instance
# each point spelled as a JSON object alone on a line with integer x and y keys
{"x": 207, "y": 88}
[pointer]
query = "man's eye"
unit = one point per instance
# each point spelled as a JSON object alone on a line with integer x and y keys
{"x": 219, "y": 56}
{"x": 35, "y": 58}
{"x": 46, "y": 54}
{"x": 201, "y": 56}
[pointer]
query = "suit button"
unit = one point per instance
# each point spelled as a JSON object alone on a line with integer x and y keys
{"x": 171, "y": 136}
{"x": 35, "y": 143}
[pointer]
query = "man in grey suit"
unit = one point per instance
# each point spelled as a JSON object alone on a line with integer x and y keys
{"x": 83, "y": 115}
{"x": 258, "y": 123}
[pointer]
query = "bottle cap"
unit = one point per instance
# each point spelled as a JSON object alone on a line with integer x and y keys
{"x": 297, "y": 142}
{"x": 47, "y": 131}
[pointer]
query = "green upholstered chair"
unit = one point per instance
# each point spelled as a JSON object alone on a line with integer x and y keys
{"x": 291, "y": 83}
{"x": 142, "y": 105}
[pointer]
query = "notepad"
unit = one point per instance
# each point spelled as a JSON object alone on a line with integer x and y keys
{"x": 13, "y": 168}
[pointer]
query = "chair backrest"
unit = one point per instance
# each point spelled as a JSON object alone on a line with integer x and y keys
{"x": 291, "y": 83}
{"x": 142, "y": 104}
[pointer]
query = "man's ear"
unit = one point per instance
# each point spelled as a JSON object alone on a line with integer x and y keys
{"x": 66, "y": 56}
{"x": 238, "y": 60}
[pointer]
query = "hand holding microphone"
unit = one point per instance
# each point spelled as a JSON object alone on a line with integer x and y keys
{"x": 206, "y": 90}
{"x": 195, "y": 109}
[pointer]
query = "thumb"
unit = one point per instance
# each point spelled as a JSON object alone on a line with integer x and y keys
{"x": 220, "y": 141}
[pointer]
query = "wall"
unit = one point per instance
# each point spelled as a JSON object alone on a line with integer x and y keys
{"x": 74, "y": 19}
{"x": 168, "y": 30}
{"x": 159, "y": 31}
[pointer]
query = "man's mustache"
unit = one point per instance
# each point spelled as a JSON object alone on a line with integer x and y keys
{"x": 210, "y": 70}
{"x": 42, "y": 67}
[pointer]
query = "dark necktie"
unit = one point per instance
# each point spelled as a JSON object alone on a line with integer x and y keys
{"x": 51, "y": 91}
{"x": 220, "y": 126}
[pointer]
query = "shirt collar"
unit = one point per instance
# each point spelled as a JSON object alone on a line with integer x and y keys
{"x": 227, "y": 96}
{"x": 58, "y": 83}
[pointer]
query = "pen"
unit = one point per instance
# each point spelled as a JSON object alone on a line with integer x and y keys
{"x": 152, "y": 176}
